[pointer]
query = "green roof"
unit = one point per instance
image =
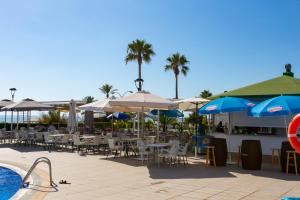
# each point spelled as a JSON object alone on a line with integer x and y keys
{"x": 282, "y": 85}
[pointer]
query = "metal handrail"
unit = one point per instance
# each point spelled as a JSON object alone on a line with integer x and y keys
{"x": 36, "y": 162}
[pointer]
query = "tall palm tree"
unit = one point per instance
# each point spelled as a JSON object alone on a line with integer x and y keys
{"x": 88, "y": 99}
{"x": 107, "y": 90}
{"x": 178, "y": 64}
{"x": 139, "y": 51}
{"x": 205, "y": 94}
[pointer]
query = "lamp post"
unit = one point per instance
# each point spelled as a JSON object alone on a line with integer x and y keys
{"x": 12, "y": 92}
{"x": 139, "y": 83}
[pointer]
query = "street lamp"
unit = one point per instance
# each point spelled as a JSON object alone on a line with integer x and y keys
{"x": 139, "y": 83}
{"x": 12, "y": 92}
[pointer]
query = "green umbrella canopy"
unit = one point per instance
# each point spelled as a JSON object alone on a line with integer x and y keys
{"x": 282, "y": 85}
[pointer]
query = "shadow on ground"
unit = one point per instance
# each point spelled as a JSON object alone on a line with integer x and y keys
{"x": 195, "y": 170}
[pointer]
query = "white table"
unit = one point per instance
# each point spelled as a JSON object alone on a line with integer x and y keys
{"x": 158, "y": 146}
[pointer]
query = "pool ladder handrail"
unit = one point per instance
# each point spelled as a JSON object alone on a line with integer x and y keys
{"x": 36, "y": 162}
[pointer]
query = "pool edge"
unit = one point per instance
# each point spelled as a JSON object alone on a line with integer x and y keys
{"x": 37, "y": 178}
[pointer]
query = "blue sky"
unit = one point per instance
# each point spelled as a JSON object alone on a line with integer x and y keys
{"x": 58, "y": 50}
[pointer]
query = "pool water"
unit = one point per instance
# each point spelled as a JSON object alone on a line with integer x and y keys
{"x": 10, "y": 183}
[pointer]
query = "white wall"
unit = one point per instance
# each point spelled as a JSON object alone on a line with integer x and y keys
{"x": 267, "y": 142}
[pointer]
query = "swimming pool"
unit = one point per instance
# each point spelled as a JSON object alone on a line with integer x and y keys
{"x": 10, "y": 183}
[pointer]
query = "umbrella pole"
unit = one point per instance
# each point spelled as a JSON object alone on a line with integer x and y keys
{"x": 11, "y": 120}
{"x": 138, "y": 124}
{"x": 112, "y": 123}
{"x": 133, "y": 125}
{"x": 157, "y": 125}
{"x": 5, "y": 119}
{"x": 230, "y": 162}
{"x": 286, "y": 126}
{"x": 196, "y": 147}
{"x": 17, "y": 120}
{"x": 143, "y": 121}
{"x": 27, "y": 118}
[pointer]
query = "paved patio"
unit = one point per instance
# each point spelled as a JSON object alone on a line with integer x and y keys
{"x": 94, "y": 177}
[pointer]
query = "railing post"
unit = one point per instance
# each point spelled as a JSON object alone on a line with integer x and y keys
{"x": 36, "y": 162}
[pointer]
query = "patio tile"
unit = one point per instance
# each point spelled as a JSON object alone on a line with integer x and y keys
{"x": 94, "y": 177}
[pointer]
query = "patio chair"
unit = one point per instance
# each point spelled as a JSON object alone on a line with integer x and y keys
{"x": 143, "y": 151}
{"x": 182, "y": 153}
{"x": 77, "y": 143}
{"x": 49, "y": 142}
{"x": 63, "y": 141}
{"x": 21, "y": 137}
{"x": 38, "y": 137}
{"x": 170, "y": 154}
{"x": 94, "y": 143}
{"x": 113, "y": 147}
{"x": 2, "y": 137}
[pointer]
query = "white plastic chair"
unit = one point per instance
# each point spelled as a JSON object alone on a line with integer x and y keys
{"x": 2, "y": 137}
{"x": 143, "y": 151}
{"x": 182, "y": 153}
{"x": 77, "y": 142}
{"x": 63, "y": 141}
{"x": 49, "y": 142}
{"x": 94, "y": 143}
{"x": 170, "y": 154}
{"x": 113, "y": 147}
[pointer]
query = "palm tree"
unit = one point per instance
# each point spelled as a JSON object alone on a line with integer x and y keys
{"x": 205, "y": 94}
{"x": 107, "y": 90}
{"x": 88, "y": 99}
{"x": 178, "y": 64}
{"x": 53, "y": 117}
{"x": 139, "y": 51}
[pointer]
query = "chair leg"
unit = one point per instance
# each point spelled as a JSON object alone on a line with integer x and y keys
{"x": 287, "y": 162}
{"x": 107, "y": 153}
{"x": 295, "y": 164}
{"x": 214, "y": 158}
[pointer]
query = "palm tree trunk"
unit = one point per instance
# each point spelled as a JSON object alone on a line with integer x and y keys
{"x": 176, "y": 86}
{"x": 140, "y": 76}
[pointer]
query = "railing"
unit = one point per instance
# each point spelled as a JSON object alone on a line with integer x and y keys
{"x": 36, "y": 162}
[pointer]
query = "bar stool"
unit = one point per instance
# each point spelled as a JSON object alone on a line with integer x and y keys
{"x": 212, "y": 158}
{"x": 292, "y": 155}
{"x": 278, "y": 156}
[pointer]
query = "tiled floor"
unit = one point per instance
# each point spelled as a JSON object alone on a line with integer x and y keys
{"x": 94, "y": 177}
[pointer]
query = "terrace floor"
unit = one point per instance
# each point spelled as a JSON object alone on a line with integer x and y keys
{"x": 94, "y": 177}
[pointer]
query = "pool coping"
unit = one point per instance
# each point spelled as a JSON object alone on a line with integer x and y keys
{"x": 38, "y": 178}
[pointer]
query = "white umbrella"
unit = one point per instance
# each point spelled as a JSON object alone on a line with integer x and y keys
{"x": 26, "y": 105}
{"x": 192, "y": 104}
{"x": 72, "y": 121}
{"x": 105, "y": 106}
{"x": 5, "y": 102}
{"x": 145, "y": 101}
